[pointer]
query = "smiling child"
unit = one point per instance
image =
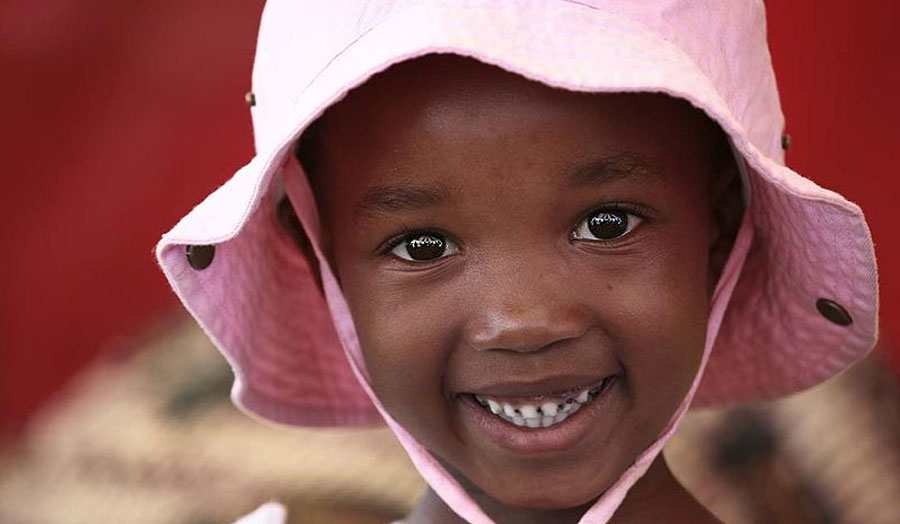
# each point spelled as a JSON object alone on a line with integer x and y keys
{"x": 537, "y": 231}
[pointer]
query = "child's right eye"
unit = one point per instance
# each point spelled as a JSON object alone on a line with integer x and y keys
{"x": 422, "y": 247}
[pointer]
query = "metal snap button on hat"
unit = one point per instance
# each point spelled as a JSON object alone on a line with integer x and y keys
{"x": 200, "y": 257}
{"x": 786, "y": 141}
{"x": 250, "y": 99}
{"x": 834, "y": 312}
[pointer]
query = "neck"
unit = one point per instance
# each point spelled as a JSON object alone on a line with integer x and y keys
{"x": 656, "y": 497}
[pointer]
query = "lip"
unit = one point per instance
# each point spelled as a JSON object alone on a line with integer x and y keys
{"x": 558, "y": 385}
{"x": 557, "y": 438}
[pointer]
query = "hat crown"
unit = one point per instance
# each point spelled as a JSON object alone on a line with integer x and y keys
{"x": 726, "y": 40}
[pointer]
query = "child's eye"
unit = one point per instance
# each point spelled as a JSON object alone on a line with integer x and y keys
{"x": 606, "y": 224}
{"x": 421, "y": 247}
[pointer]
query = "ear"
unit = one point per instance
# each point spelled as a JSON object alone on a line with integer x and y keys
{"x": 726, "y": 211}
{"x": 287, "y": 219}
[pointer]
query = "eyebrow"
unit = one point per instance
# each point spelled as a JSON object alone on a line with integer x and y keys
{"x": 628, "y": 164}
{"x": 390, "y": 198}
{"x": 411, "y": 196}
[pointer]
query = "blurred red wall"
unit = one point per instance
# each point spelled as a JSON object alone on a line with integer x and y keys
{"x": 119, "y": 116}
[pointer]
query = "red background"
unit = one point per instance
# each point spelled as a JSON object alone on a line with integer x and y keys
{"x": 119, "y": 116}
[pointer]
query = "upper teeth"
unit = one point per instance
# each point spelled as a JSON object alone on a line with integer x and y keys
{"x": 541, "y": 415}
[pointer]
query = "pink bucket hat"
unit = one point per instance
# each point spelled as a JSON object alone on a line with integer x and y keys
{"x": 796, "y": 303}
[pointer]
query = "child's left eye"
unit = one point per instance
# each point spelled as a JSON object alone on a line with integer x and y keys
{"x": 606, "y": 224}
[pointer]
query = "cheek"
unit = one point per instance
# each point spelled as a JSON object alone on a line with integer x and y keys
{"x": 406, "y": 339}
{"x": 662, "y": 327}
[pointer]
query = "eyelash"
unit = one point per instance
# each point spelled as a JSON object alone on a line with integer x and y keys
{"x": 638, "y": 211}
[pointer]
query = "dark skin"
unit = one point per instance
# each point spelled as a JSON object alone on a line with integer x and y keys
{"x": 488, "y": 228}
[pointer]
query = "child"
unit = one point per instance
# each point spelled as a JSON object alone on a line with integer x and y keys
{"x": 537, "y": 231}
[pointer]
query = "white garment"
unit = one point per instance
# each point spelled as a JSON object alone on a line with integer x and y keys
{"x": 268, "y": 513}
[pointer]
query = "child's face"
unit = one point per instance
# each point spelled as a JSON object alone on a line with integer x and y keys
{"x": 499, "y": 238}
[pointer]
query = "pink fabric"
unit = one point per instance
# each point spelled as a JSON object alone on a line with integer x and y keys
{"x": 295, "y": 353}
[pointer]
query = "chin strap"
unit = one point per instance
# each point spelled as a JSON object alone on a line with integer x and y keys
{"x": 603, "y": 509}
{"x": 454, "y": 495}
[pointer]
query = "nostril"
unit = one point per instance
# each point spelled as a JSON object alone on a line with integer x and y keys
{"x": 527, "y": 331}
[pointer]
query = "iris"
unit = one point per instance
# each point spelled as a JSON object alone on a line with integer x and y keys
{"x": 608, "y": 224}
{"x": 425, "y": 247}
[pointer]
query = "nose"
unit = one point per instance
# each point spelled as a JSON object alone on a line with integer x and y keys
{"x": 524, "y": 311}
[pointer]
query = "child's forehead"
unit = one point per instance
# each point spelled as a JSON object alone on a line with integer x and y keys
{"x": 443, "y": 110}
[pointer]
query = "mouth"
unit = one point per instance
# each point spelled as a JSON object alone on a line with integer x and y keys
{"x": 529, "y": 412}
{"x": 554, "y": 415}
{"x": 541, "y": 411}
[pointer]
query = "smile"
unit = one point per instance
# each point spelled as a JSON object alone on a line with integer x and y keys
{"x": 544, "y": 411}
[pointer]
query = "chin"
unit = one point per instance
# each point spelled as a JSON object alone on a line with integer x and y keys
{"x": 556, "y": 498}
